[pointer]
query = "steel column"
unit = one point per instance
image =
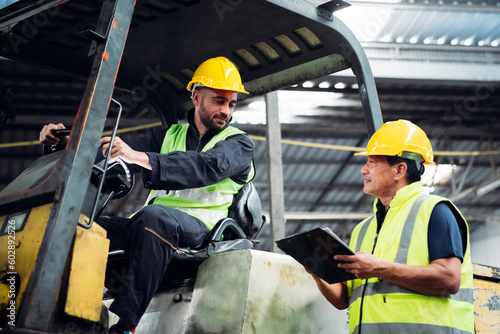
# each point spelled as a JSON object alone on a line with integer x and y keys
{"x": 276, "y": 196}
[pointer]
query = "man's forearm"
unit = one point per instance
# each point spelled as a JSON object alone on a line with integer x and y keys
{"x": 141, "y": 159}
{"x": 442, "y": 276}
{"x": 335, "y": 293}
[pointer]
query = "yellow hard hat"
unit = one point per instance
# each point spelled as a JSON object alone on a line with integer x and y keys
{"x": 398, "y": 139}
{"x": 217, "y": 73}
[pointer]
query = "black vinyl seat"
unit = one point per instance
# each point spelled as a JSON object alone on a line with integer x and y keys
{"x": 238, "y": 231}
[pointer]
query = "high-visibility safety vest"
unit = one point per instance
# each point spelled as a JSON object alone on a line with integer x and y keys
{"x": 379, "y": 307}
{"x": 210, "y": 203}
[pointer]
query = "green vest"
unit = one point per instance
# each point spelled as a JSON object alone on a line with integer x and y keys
{"x": 210, "y": 203}
{"x": 378, "y": 306}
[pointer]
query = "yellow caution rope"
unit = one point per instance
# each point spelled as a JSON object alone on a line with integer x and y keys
{"x": 284, "y": 141}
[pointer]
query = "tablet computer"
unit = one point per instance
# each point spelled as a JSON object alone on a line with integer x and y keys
{"x": 315, "y": 249}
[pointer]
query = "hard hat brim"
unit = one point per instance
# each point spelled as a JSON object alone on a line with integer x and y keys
{"x": 370, "y": 153}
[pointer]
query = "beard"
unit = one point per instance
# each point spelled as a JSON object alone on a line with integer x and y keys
{"x": 213, "y": 121}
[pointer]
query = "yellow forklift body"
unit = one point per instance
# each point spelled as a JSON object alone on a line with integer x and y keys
{"x": 486, "y": 299}
{"x": 86, "y": 277}
{"x": 22, "y": 258}
{"x": 87, "y": 269}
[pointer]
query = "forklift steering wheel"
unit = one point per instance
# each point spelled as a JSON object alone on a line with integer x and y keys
{"x": 118, "y": 182}
{"x": 119, "y": 178}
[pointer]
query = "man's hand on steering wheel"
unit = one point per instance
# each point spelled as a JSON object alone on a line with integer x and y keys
{"x": 54, "y": 137}
{"x": 51, "y": 134}
{"x": 121, "y": 149}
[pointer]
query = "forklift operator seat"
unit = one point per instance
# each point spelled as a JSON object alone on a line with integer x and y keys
{"x": 238, "y": 231}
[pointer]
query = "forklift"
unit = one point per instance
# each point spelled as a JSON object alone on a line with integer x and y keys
{"x": 57, "y": 273}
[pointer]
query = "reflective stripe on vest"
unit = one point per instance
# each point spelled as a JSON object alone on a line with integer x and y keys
{"x": 210, "y": 203}
{"x": 362, "y": 233}
{"x": 373, "y": 288}
{"x": 203, "y": 214}
{"x": 408, "y": 328}
{"x": 388, "y": 308}
{"x": 195, "y": 194}
{"x": 402, "y": 254}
